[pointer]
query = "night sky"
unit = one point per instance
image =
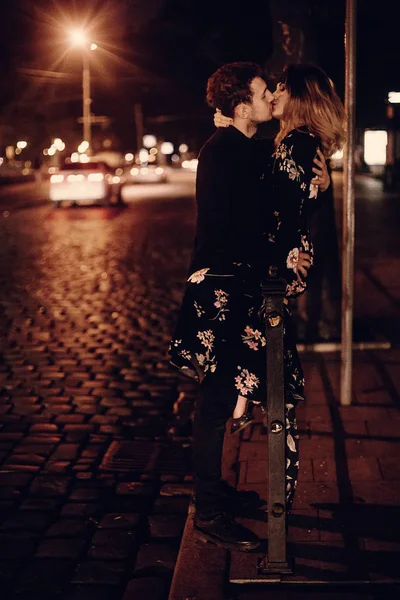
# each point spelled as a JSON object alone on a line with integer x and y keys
{"x": 159, "y": 53}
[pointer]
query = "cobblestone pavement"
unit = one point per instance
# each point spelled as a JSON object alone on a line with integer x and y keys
{"x": 88, "y": 297}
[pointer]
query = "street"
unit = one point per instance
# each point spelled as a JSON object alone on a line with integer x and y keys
{"x": 88, "y": 299}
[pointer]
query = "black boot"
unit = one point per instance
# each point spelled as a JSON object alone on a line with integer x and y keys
{"x": 238, "y": 500}
{"x": 225, "y": 533}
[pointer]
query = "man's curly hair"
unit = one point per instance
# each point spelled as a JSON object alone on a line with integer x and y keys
{"x": 230, "y": 86}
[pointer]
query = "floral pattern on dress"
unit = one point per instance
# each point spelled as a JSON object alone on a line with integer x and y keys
{"x": 286, "y": 163}
{"x": 206, "y": 361}
{"x": 295, "y": 198}
{"x": 246, "y": 382}
{"x": 253, "y": 338}
{"x": 198, "y": 276}
{"x": 199, "y": 310}
{"x": 221, "y": 303}
{"x": 292, "y": 259}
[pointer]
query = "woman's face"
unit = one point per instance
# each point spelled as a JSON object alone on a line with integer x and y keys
{"x": 281, "y": 98}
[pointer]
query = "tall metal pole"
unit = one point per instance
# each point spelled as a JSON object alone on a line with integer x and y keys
{"x": 348, "y": 208}
{"x": 87, "y": 133}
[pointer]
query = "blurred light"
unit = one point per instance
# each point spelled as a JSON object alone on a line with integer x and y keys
{"x": 159, "y": 170}
{"x": 107, "y": 143}
{"x": 394, "y": 97}
{"x": 52, "y": 170}
{"x": 119, "y": 172}
{"x": 144, "y": 171}
{"x": 83, "y": 146}
{"x": 56, "y": 178}
{"x": 77, "y": 177}
{"x": 149, "y": 141}
{"x": 78, "y": 37}
{"x": 18, "y": 150}
{"x": 175, "y": 158}
{"x": 167, "y": 148}
{"x": 129, "y": 157}
{"x": 190, "y": 164}
{"x": 153, "y": 151}
{"x": 25, "y": 171}
{"x": 58, "y": 144}
{"x": 10, "y": 152}
{"x": 75, "y": 157}
{"x": 93, "y": 46}
{"x": 22, "y": 145}
{"x": 375, "y": 143}
{"x": 51, "y": 151}
{"x": 183, "y": 148}
{"x": 143, "y": 155}
{"x": 84, "y": 158}
{"x": 135, "y": 171}
{"x": 45, "y": 151}
{"x": 338, "y": 155}
{"x": 1, "y": 161}
{"x": 116, "y": 179}
{"x": 152, "y": 158}
{"x": 95, "y": 177}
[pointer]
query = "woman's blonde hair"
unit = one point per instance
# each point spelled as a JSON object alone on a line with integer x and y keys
{"x": 313, "y": 102}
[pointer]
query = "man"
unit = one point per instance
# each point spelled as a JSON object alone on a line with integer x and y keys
{"x": 230, "y": 258}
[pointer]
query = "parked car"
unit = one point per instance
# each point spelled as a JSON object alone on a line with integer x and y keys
{"x": 147, "y": 174}
{"x": 92, "y": 181}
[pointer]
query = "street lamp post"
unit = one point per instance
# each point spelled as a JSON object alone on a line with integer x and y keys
{"x": 86, "y": 101}
{"x": 79, "y": 38}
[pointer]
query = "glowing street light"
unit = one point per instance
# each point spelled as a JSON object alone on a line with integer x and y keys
{"x": 21, "y": 145}
{"x": 78, "y": 37}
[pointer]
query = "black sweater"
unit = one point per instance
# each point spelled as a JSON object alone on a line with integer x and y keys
{"x": 230, "y": 224}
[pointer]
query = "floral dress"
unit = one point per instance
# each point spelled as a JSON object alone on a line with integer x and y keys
{"x": 219, "y": 326}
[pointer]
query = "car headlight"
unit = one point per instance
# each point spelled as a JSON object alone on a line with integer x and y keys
{"x": 56, "y": 178}
{"x": 95, "y": 177}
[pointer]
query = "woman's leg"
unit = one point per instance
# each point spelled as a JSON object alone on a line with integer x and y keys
{"x": 240, "y": 407}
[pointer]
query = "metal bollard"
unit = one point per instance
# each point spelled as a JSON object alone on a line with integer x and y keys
{"x": 254, "y": 568}
{"x": 273, "y": 292}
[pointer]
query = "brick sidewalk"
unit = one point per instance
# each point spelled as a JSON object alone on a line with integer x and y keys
{"x": 345, "y": 522}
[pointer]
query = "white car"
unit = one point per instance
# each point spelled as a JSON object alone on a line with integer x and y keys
{"x": 92, "y": 181}
{"x": 147, "y": 174}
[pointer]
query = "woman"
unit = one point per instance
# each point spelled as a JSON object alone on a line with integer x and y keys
{"x": 311, "y": 119}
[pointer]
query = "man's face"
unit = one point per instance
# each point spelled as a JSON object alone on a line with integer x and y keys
{"x": 262, "y": 101}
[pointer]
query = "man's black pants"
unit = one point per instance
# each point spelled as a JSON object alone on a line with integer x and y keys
{"x": 214, "y": 407}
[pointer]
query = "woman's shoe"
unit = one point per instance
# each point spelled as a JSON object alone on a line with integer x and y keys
{"x": 246, "y": 419}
